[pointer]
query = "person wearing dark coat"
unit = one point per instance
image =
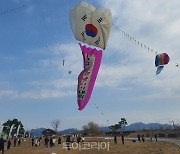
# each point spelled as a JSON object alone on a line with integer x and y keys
{"x": 122, "y": 137}
{"x": 46, "y": 140}
{"x": 115, "y": 139}
{"x": 78, "y": 139}
{"x": 32, "y": 141}
{"x": 59, "y": 140}
{"x": 143, "y": 138}
{"x": 155, "y": 136}
{"x": 8, "y": 144}
{"x": 139, "y": 138}
{"x": 19, "y": 141}
{"x": 15, "y": 140}
{"x": 51, "y": 142}
{"x": 68, "y": 142}
{"x": 2, "y": 145}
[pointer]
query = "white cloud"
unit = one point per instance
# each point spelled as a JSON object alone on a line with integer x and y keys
{"x": 154, "y": 24}
{"x": 41, "y": 94}
{"x": 29, "y": 9}
{"x": 8, "y": 94}
{"x": 113, "y": 76}
{"x": 46, "y": 94}
{"x": 70, "y": 53}
{"x": 54, "y": 84}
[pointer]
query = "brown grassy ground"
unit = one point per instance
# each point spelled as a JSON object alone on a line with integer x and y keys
{"x": 128, "y": 148}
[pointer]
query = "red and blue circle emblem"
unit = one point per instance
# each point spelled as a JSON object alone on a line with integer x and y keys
{"x": 91, "y": 30}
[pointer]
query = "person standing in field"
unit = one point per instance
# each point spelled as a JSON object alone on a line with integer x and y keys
{"x": 155, "y": 136}
{"x": 139, "y": 138}
{"x": 51, "y": 142}
{"x": 82, "y": 139}
{"x": 54, "y": 141}
{"x": 59, "y": 140}
{"x": 46, "y": 140}
{"x": 15, "y": 140}
{"x": 78, "y": 139}
{"x": 19, "y": 141}
{"x": 115, "y": 139}
{"x": 32, "y": 141}
{"x": 122, "y": 138}
{"x": 9, "y": 144}
{"x": 2, "y": 145}
{"x": 143, "y": 138}
{"x": 68, "y": 142}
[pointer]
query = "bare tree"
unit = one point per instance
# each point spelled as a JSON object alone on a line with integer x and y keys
{"x": 55, "y": 124}
{"x": 91, "y": 128}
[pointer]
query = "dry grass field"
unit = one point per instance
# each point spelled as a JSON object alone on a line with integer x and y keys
{"x": 105, "y": 146}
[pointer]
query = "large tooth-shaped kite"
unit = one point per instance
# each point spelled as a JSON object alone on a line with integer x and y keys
{"x": 92, "y": 26}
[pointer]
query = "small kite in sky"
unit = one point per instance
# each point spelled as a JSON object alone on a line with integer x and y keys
{"x": 161, "y": 60}
{"x": 69, "y": 72}
{"x": 63, "y": 62}
{"x": 177, "y": 65}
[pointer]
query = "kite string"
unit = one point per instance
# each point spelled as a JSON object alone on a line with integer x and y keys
{"x": 13, "y": 9}
{"x": 138, "y": 43}
{"x": 101, "y": 114}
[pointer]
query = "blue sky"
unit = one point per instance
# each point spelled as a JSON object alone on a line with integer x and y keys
{"x": 36, "y": 88}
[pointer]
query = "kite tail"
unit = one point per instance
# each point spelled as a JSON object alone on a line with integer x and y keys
{"x": 87, "y": 78}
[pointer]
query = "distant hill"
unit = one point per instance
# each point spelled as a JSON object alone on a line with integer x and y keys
{"x": 70, "y": 131}
{"x": 141, "y": 126}
{"x": 37, "y": 132}
{"x": 131, "y": 127}
{"x": 149, "y": 126}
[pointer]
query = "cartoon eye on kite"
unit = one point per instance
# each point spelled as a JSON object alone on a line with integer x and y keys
{"x": 92, "y": 26}
{"x": 160, "y": 61}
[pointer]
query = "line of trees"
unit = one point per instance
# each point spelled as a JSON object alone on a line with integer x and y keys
{"x": 15, "y": 123}
{"x": 120, "y": 125}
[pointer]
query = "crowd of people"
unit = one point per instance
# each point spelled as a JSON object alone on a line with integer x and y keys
{"x": 75, "y": 138}
{"x": 50, "y": 141}
{"x": 36, "y": 141}
{"x": 143, "y": 138}
{"x": 122, "y": 139}
{"x": 139, "y": 137}
{"x": 2, "y": 143}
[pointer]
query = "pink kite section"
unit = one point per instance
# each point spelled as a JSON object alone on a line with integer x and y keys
{"x": 87, "y": 78}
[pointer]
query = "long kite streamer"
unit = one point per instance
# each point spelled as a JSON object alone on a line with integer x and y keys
{"x": 87, "y": 78}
